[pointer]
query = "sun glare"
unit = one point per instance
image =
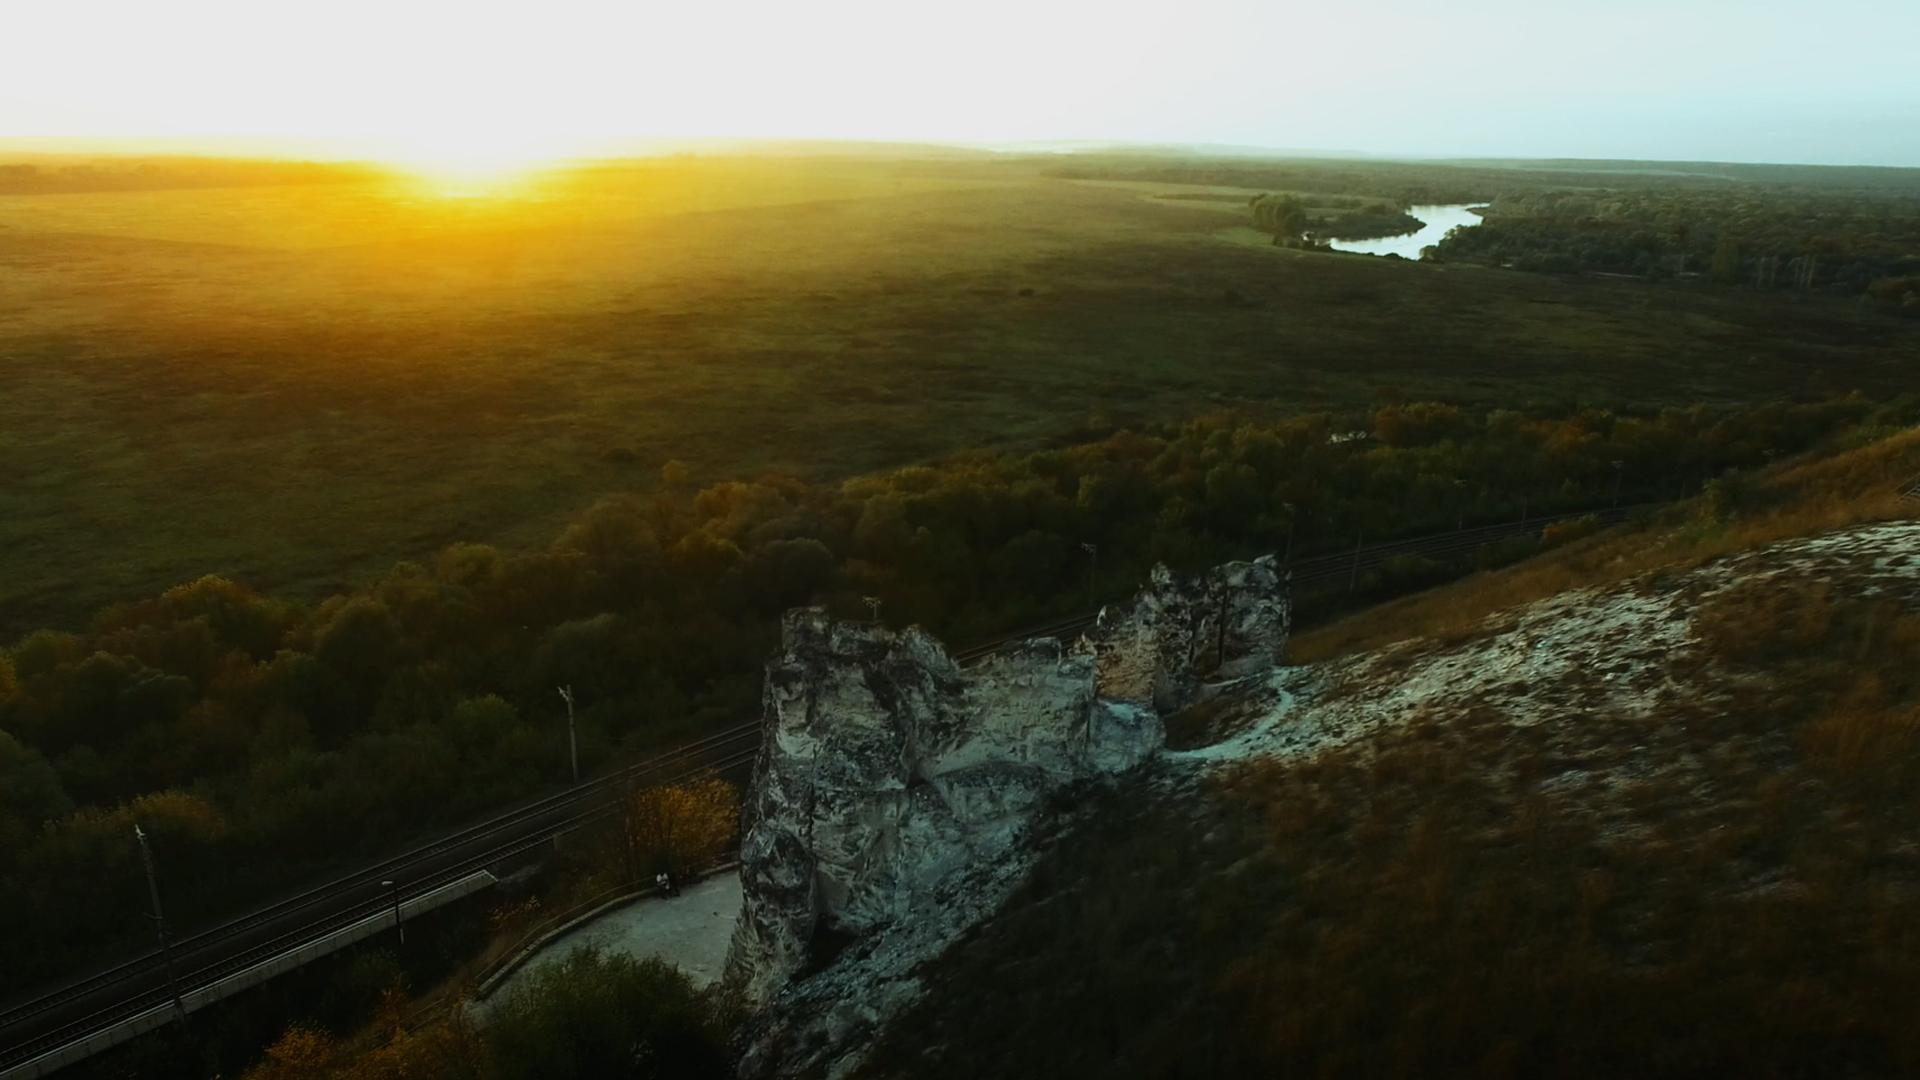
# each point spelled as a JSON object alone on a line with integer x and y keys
{"x": 473, "y": 168}
{"x": 467, "y": 175}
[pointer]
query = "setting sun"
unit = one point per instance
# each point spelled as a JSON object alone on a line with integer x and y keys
{"x": 756, "y": 541}
{"x": 458, "y": 163}
{"x": 466, "y": 173}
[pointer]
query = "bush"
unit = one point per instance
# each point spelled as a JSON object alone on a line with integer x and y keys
{"x": 680, "y": 827}
{"x": 1562, "y": 532}
{"x": 596, "y": 1015}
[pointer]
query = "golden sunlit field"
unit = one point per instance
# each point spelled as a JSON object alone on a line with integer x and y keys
{"x": 297, "y": 385}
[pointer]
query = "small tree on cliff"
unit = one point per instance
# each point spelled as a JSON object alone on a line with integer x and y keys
{"x": 679, "y": 826}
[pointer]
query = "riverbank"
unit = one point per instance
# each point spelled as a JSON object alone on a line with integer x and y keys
{"x": 1433, "y": 224}
{"x": 1371, "y": 224}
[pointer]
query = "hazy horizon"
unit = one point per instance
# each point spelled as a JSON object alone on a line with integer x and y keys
{"x": 1707, "y": 80}
{"x": 350, "y": 151}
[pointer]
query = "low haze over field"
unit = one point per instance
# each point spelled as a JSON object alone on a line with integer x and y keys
{"x": 1693, "y": 79}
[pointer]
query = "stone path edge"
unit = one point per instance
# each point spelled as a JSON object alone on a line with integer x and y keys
{"x": 526, "y": 952}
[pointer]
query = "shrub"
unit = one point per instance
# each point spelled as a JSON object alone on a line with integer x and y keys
{"x": 597, "y": 1015}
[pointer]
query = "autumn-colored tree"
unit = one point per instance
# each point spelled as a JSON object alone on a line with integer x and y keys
{"x": 451, "y": 1049}
{"x": 301, "y": 1053}
{"x": 680, "y": 825}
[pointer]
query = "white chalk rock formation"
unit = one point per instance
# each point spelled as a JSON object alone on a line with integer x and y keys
{"x": 1228, "y": 622}
{"x": 887, "y": 767}
{"x": 889, "y": 774}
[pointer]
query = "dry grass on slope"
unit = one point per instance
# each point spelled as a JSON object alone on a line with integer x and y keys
{"x": 1737, "y": 514}
{"x": 1725, "y": 883}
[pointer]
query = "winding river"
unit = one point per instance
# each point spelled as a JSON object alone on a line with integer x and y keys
{"x": 1436, "y": 221}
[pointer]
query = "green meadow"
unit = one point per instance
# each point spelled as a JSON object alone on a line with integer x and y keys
{"x": 294, "y": 386}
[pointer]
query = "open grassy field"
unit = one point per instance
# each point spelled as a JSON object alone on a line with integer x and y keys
{"x": 295, "y": 386}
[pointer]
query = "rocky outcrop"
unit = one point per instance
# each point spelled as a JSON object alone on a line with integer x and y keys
{"x": 890, "y": 776}
{"x": 887, "y": 767}
{"x": 1230, "y": 621}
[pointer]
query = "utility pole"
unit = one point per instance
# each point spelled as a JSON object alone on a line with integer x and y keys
{"x": 573, "y": 738}
{"x": 1093, "y": 565}
{"x": 160, "y": 924}
{"x": 873, "y": 606}
{"x": 393, "y": 890}
{"x": 1353, "y": 578}
{"x": 1293, "y": 516}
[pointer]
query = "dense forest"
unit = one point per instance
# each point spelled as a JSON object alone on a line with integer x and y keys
{"x": 1854, "y": 231}
{"x": 1309, "y": 222}
{"x": 237, "y": 728}
{"x": 1763, "y": 239}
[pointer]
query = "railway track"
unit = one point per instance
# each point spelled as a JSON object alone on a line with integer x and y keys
{"x": 107, "y": 997}
{"x": 99, "y": 1001}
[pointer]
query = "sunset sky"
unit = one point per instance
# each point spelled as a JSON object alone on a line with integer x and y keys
{"x": 1766, "y": 80}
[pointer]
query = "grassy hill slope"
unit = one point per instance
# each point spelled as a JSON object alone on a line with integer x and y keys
{"x": 1656, "y": 820}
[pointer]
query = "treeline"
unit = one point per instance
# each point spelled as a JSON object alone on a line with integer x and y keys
{"x": 1308, "y": 221}
{"x": 1399, "y": 183}
{"x": 1762, "y": 238}
{"x": 593, "y": 1015}
{"x": 256, "y": 738}
{"x": 1408, "y": 182}
{"x": 1365, "y": 223}
{"x": 65, "y": 175}
{"x": 1854, "y": 231}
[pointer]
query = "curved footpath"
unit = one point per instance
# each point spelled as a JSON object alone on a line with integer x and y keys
{"x": 689, "y": 931}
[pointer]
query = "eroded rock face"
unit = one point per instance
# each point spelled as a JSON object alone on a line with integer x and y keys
{"x": 887, "y": 767}
{"x": 1228, "y": 622}
{"x": 890, "y": 777}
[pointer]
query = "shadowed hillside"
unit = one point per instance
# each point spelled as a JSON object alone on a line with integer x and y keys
{"x": 1656, "y": 820}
